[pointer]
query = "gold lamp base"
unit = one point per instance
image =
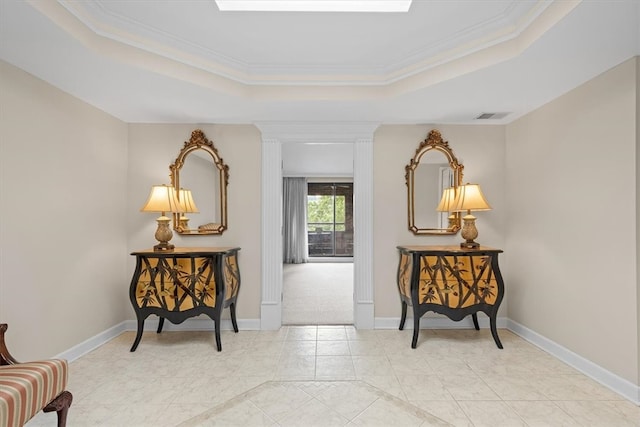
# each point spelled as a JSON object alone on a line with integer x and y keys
{"x": 163, "y": 235}
{"x": 469, "y": 232}
{"x": 470, "y": 245}
{"x": 163, "y": 247}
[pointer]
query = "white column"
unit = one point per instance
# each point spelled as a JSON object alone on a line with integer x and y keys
{"x": 363, "y": 237}
{"x": 271, "y": 309}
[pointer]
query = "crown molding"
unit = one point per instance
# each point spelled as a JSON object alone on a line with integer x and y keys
{"x": 230, "y": 76}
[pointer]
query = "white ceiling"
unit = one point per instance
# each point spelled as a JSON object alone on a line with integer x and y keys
{"x": 184, "y": 61}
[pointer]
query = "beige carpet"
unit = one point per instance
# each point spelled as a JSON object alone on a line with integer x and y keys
{"x": 318, "y": 294}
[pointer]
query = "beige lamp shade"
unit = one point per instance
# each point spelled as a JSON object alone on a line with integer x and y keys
{"x": 448, "y": 198}
{"x": 187, "y": 204}
{"x": 162, "y": 199}
{"x": 469, "y": 197}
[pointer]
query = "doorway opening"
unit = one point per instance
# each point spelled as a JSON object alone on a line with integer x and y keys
{"x": 280, "y": 143}
{"x": 318, "y": 286}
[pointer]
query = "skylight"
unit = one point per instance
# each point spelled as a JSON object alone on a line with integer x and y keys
{"x": 314, "y": 5}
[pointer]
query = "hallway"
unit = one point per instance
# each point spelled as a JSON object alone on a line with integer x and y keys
{"x": 317, "y": 293}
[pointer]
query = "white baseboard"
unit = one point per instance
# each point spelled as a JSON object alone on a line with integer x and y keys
{"x": 194, "y": 324}
{"x": 427, "y": 322}
{"x": 271, "y": 316}
{"x": 619, "y": 385}
{"x": 151, "y": 324}
{"x": 92, "y": 343}
{"x": 364, "y": 315}
{"x": 587, "y": 367}
{"x": 333, "y": 260}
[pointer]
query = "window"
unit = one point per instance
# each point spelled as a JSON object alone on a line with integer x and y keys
{"x": 330, "y": 219}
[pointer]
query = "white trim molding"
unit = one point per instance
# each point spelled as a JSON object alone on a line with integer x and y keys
{"x": 363, "y": 233}
{"x": 202, "y": 323}
{"x": 95, "y": 341}
{"x": 317, "y": 132}
{"x": 151, "y": 324}
{"x": 360, "y": 135}
{"x": 505, "y": 36}
{"x": 271, "y": 305}
{"x": 440, "y": 322}
{"x": 603, "y": 376}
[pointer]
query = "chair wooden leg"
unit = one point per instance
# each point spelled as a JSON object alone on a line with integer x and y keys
{"x": 5, "y": 356}
{"x": 61, "y": 406}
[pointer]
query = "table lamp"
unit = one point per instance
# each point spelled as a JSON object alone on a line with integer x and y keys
{"x": 187, "y": 205}
{"x": 469, "y": 198}
{"x": 162, "y": 199}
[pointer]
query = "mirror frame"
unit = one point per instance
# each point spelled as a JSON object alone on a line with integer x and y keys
{"x": 434, "y": 141}
{"x": 199, "y": 141}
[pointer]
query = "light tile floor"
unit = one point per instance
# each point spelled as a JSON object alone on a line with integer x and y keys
{"x": 291, "y": 376}
{"x": 312, "y": 403}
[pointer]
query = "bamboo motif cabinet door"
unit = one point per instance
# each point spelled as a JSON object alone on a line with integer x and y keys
{"x": 185, "y": 283}
{"x": 452, "y": 281}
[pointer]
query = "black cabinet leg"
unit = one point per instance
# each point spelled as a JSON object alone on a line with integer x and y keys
{"x": 416, "y": 330}
{"x": 404, "y": 315}
{"x": 232, "y": 309}
{"x": 494, "y": 330}
{"x": 474, "y": 316}
{"x": 160, "y": 325}
{"x": 138, "y": 334}
{"x": 217, "y": 327}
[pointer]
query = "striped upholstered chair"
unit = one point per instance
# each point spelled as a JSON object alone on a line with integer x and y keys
{"x": 27, "y": 388}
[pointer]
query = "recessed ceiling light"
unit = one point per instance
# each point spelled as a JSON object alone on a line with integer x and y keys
{"x": 314, "y": 5}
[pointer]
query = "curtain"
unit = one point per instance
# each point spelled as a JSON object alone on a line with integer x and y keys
{"x": 295, "y": 220}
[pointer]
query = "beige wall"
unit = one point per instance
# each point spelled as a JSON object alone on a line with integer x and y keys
{"x": 571, "y": 221}
{"x": 479, "y": 148}
{"x": 152, "y": 148}
{"x": 63, "y": 168}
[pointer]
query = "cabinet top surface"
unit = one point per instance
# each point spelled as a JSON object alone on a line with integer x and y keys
{"x": 187, "y": 251}
{"x": 450, "y": 249}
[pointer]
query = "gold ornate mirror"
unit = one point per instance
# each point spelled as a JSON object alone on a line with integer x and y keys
{"x": 200, "y": 178}
{"x": 432, "y": 170}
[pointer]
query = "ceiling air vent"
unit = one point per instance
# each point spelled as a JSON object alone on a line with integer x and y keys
{"x": 492, "y": 116}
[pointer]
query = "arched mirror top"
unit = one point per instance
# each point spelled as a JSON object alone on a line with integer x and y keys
{"x": 434, "y": 141}
{"x": 432, "y": 170}
{"x": 200, "y": 171}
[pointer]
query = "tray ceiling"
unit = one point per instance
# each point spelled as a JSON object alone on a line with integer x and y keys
{"x": 186, "y": 61}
